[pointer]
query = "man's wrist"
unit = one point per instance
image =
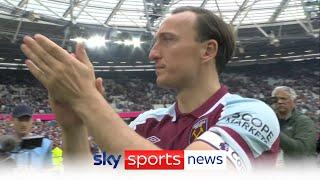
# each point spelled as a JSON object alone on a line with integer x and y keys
{"x": 75, "y": 145}
{"x": 88, "y": 101}
{"x": 76, "y": 128}
{"x": 85, "y": 99}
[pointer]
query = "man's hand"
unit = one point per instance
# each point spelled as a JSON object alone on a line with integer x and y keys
{"x": 74, "y": 132}
{"x": 65, "y": 116}
{"x": 72, "y": 82}
{"x": 66, "y": 77}
{"x": 64, "y": 113}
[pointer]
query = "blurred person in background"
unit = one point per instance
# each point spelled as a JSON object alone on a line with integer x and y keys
{"x": 38, "y": 157}
{"x": 57, "y": 157}
{"x": 298, "y": 132}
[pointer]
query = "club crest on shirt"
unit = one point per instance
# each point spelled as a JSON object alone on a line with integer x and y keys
{"x": 224, "y": 146}
{"x": 197, "y": 129}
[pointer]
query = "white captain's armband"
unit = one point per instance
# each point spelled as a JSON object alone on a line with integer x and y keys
{"x": 238, "y": 158}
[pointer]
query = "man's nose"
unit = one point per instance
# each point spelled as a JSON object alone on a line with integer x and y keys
{"x": 154, "y": 54}
{"x": 279, "y": 101}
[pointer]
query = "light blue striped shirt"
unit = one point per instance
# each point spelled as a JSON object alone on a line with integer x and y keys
{"x": 40, "y": 157}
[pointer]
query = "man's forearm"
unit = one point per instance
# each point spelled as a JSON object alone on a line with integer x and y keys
{"x": 303, "y": 142}
{"x": 110, "y": 132}
{"x": 291, "y": 145}
{"x": 75, "y": 144}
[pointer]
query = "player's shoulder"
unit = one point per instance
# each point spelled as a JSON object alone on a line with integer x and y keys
{"x": 240, "y": 112}
{"x": 156, "y": 114}
{"x": 235, "y": 103}
{"x": 252, "y": 120}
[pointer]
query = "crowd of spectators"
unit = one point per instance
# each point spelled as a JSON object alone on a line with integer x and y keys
{"x": 141, "y": 95}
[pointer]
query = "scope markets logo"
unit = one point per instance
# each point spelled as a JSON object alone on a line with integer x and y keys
{"x": 174, "y": 159}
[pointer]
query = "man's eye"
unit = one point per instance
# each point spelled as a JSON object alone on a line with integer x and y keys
{"x": 168, "y": 38}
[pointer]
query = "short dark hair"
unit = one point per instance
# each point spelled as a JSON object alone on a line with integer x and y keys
{"x": 210, "y": 26}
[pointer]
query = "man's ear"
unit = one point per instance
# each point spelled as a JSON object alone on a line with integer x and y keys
{"x": 209, "y": 50}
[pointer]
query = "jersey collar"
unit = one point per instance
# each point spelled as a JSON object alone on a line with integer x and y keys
{"x": 204, "y": 107}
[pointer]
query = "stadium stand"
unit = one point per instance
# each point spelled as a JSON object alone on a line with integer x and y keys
{"x": 125, "y": 95}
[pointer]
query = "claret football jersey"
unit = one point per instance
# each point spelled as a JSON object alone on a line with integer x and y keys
{"x": 246, "y": 128}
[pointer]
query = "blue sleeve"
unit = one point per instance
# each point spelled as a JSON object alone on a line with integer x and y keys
{"x": 253, "y": 120}
{"x": 47, "y": 153}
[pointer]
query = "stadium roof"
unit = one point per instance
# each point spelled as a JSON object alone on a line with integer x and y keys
{"x": 266, "y": 29}
{"x": 149, "y": 13}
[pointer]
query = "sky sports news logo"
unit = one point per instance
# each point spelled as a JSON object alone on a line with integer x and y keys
{"x": 165, "y": 160}
{"x": 104, "y": 159}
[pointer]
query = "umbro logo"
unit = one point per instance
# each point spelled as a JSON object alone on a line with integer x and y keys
{"x": 154, "y": 139}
